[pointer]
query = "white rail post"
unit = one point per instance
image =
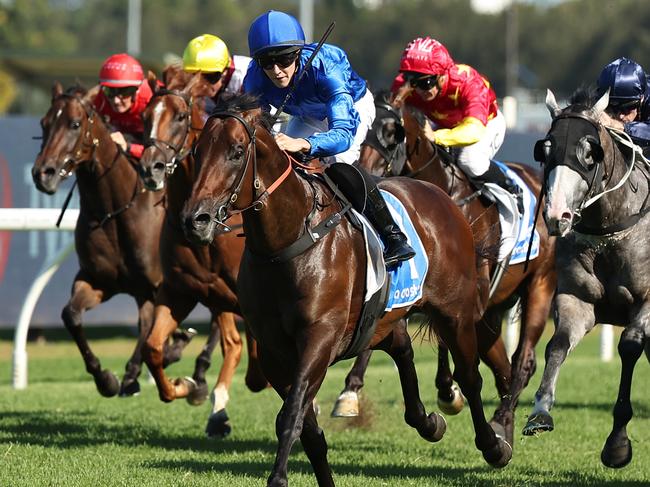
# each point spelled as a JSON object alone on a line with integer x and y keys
{"x": 25, "y": 219}
{"x": 606, "y": 342}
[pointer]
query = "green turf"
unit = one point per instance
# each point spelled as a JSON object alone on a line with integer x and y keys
{"x": 60, "y": 432}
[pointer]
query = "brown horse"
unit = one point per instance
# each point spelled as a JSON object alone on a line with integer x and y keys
{"x": 534, "y": 287}
{"x": 303, "y": 305}
{"x": 191, "y": 273}
{"x": 118, "y": 230}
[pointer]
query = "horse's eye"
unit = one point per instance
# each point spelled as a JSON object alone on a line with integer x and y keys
{"x": 181, "y": 117}
{"x": 75, "y": 124}
{"x": 237, "y": 153}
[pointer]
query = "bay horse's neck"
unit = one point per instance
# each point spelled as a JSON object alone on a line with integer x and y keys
{"x": 281, "y": 220}
{"x": 108, "y": 180}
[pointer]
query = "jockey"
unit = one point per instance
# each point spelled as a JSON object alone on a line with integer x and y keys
{"x": 461, "y": 105}
{"x": 331, "y": 108}
{"x": 629, "y": 97}
{"x": 122, "y": 99}
{"x": 209, "y": 55}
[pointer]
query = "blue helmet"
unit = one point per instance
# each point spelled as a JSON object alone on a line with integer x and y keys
{"x": 626, "y": 82}
{"x": 274, "y": 30}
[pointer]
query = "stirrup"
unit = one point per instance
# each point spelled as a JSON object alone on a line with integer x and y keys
{"x": 399, "y": 253}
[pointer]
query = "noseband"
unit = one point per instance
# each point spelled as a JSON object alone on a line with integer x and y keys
{"x": 178, "y": 153}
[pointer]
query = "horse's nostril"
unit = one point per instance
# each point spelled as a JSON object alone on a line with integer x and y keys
{"x": 566, "y": 215}
{"x": 158, "y": 166}
{"x": 49, "y": 171}
{"x": 202, "y": 219}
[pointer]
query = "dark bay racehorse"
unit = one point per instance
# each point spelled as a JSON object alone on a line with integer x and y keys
{"x": 597, "y": 202}
{"x": 384, "y": 153}
{"x": 191, "y": 273}
{"x": 118, "y": 230}
{"x": 303, "y": 308}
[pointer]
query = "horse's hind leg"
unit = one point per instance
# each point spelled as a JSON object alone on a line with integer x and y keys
{"x": 573, "y": 319}
{"x": 231, "y": 346}
{"x": 347, "y": 404}
{"x": 462, "y": 342}
{"x": 450, "y": 398}
{"x": 130, "y": 385}
{"x": 617, "y": 451}
{"x": 398, "y": 345}
{"x": 315, "y": 446}
{"x": 85, "y": 297}
{"x": 171, "y": 308}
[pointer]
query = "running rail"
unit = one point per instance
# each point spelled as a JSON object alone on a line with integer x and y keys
{"x": 27, "y": 219}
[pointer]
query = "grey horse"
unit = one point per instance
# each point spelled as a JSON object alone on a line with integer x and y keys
{"x": 597, "y": 201}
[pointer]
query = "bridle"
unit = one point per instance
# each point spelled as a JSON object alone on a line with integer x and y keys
{"x": 393, "y": 153}
{"x": 174, "y": 154}
{"x": 259, "y": 199}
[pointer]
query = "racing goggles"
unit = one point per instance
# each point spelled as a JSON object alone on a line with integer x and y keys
{"x": 267, "y": 61}
{"x": 122, "y": 92}
{"x": 423, "y": 82}
{"x": 212, "y": 78}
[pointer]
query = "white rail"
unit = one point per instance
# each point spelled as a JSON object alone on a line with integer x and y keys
{"x": 25, "y": 219}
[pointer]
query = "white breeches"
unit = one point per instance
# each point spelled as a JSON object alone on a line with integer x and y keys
{"x": 474, "y": 159}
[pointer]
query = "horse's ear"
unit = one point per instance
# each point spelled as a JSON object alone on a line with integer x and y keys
{"x": 192, "y": 83}
{"x": 552, "y": 105}
{"x": 57, "y": 90}
{"x": 152, "y": 80}
{"x": 601, "y": 104}
{"x": 91, "y": 94}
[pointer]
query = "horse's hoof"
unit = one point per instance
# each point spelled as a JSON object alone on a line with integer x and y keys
{"x": 439, "y": 424}
{"x": 538, "y": 423}
{"x": 346, "y": 406}
{"x": 617, "y": 453}
{"x": 107, "y": 383}
{"x": 500, "y": 455}
{"x": 218, "y": 425}
{"x": 187, "y": 385}
{"x": 198, "y": 394}
{"x": 456, "y": 404}
{"x": 129, "y": 389}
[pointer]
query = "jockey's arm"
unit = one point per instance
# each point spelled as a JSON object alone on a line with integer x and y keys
{"x": 469, "y": 131}
{"x": 343, "y": 120}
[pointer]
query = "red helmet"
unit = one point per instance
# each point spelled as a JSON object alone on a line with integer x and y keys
{"x": 427, "y": 56}
{"x": 121, "y": 70}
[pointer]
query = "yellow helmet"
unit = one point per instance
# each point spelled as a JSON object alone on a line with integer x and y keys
{"x": 206, "y": 53}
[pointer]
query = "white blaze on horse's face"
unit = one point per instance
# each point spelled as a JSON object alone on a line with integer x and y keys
{"x": 157, "y": 113}
{"x": 566, "y": 189}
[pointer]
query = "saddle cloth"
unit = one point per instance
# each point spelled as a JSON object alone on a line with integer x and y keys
{"x": 407, "y": 277}
{"x": 515, "y": 228}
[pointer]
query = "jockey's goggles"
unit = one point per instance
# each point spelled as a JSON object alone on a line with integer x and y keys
{"x": 267, "y": 61}
{"x": 122, "y": 92}
{"x": 423, "y": 82}
{"x": 212, "y": 78}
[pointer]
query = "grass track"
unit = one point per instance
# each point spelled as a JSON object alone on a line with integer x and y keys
{"x": 60, "y": 432}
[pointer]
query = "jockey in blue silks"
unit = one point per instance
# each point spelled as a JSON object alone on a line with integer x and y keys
{"x": 331, "y": 108}
{"x": 629, "y": 97}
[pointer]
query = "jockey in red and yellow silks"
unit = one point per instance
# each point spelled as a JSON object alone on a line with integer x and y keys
{"x": 460, "y": 104}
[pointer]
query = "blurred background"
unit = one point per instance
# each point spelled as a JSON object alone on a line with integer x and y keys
{"x": 522, "y": 47}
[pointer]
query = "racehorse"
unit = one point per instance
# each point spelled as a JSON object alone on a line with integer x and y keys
{"x": 118, "y": 230}
{"x": 597, "y": 191}
{"x": 396, "y": 145}
{"x": 302, "y": 296}
{"x": 191, "y": 273}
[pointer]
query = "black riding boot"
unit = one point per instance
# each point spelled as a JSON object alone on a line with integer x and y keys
{"x": 397, "y": 248}
{"x": 496, "y": 176}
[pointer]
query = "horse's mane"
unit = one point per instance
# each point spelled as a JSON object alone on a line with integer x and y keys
{"x": 243, "y": 103}
{"x": 584, "y": 97}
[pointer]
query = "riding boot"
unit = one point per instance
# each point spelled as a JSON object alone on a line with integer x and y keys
{"x": 498, "y": 177}
{"x": 397, "y": 248}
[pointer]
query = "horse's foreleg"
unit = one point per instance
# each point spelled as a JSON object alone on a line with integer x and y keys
{"x": 130, "y": 385}
{"x": 493, "y": 353}
{"x": 315, "y": 446}
{"x": 450, "y": 398}
{"x": 203, "y": 361}
{"x": 168, "y": 313}
{"x": 231, "y": 345}
{"x": 314, "y": 352}
{"x": 431, "y": 427}
{"x": 85, "y": 297}
{"x": 617, "y": 451}
{"x": 255, "y": 379}
{"x": 573, "y": 319}
{"x": 462, "y": 342}
{"x": 347, "y": 404}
